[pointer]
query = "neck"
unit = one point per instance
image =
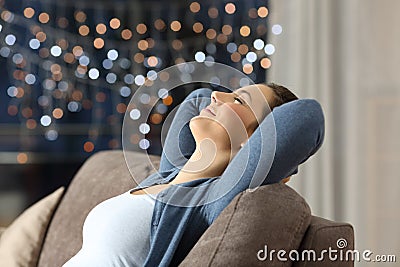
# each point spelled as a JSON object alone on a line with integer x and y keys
{"x": 208, "y": 160}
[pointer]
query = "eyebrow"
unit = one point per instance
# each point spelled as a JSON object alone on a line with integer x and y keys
{"x": 244, "y": 92}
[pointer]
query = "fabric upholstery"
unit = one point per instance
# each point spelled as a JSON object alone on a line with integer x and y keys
{"x": 322, "y": 234}
{"x": 103, "y": 175}
{"x": 273, "y": 215}
{"x": 21, "y": 242}
{"x": 2, "y": 229}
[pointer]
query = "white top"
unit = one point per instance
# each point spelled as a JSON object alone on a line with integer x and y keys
{"x": 116, "y": 232}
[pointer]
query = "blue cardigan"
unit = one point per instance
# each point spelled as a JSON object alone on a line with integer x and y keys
{"x": 287, "y": 137}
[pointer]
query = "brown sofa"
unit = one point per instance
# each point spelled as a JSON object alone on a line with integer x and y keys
{"x": 273, "y": 217}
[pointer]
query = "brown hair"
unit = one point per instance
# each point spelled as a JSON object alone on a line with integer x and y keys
{"x": 282, "y": 95}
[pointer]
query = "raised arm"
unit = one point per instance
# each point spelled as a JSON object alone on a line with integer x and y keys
{"x": 179, "y": 134}
{"x": 287, "y": 137}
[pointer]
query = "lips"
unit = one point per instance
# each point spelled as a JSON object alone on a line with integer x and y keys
{"x": 210, "y": 111}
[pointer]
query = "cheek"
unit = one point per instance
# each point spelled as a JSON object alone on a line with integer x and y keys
{"x": 240, "y": 114}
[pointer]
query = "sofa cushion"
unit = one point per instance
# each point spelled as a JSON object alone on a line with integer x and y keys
{"x": 271, "y": 217}
{"x": 21, "y": 242}
{"x": 2, "y": 229}
{"x": 103, "y": 175}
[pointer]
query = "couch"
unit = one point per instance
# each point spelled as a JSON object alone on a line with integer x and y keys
{"x": 273, "y": 217}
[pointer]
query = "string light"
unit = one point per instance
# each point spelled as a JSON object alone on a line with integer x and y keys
{"x": 69, "y": 63}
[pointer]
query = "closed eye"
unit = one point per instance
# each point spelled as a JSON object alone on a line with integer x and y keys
{"x": 239, "y": 100}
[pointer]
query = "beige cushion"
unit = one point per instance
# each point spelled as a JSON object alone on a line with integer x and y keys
{"x": 273, "y": 215}
{"x": 2, "y": 229}
{"x": 21, "y": 242}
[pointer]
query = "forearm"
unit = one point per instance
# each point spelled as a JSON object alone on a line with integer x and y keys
{"x": 286, "y": 138}
{"x": 179, "y": 143}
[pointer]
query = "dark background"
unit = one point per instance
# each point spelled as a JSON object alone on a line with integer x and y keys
{"x": 35, "y": 162}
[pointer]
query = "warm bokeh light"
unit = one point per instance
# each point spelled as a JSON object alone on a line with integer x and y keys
{"x": 150, "y": 42}
{"x": 62, "y": 22}
{"x": 177, "y": 44}
{"x": 126, "y": 34}
{"x": 236, "y": 57}
{"x": 98, "y": 43}
{"x": 84, "y": 30}
{"x": 164, "y": 76}
{"x": 115, "y": 23}
{"x": 62, "y": 43}
{"x": 156, "y": 118}
{"x": 35, "y": 29}
{"x": 41, "y": 36}
{"x": 143, "y": 45}
{"x": 262, "y": 12}
{"x": 80, "y": 16}
{"x": 12, "y": 110}
{"x": 101, "y": 28}
{"x": 113, "y": 144}
{"x": 213, "y": 12}
{"x": 194, "y": 7}
{"x": 159, "y": 24}
{"x": 58, "y": 113}
{"x": 222, "y": 38}
{"x": 31, "y": 124}
{"x": 245, "y": 31}
{"x": 175, "y": 26}
{"x": 22, "y": 158}
{"x": 197, "y": 27}
{"x": 265, "y": 63}
{"x": 121, "y": 108}
{"x": 80, "y": 69}
{"x": 44, "y": 52}
{"x": 211, "y": 34}
{"x": 141, "y": 28}
{"x": 26, "y": 112}
{"x": 227, "y": 29}
{"x": 101, "y": 97}
{"x": 243, "y": 49}
{"x": 29, "y": 12}
{"x": 230, "y": 8}
{"x": 252, "y": 13}
{"x": 77, "y": 95}
{"x": 6, "y": 15}
{"x": 55, "y": 68}
{"x": 44, "y": 18}
{"x": 152, "y": 61}
{"x": 88, "y": 146}
{"x": 77, "y": 51}
{"x": 168, "y": 100}
{"x": 69, "y": 58}
{"x": 247, "y": 68}
{"x": 138, "y": 58}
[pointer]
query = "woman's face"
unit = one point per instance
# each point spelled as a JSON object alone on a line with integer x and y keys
{"x": 237, "y": 113}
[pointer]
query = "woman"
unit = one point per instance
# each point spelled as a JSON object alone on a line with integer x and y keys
{"x": 217, "y": 161}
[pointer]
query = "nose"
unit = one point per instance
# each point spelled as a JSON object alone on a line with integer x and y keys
{"x": 218, "y": 97}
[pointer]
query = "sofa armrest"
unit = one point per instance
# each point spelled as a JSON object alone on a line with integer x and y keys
{"x": 273, "y": 217}
{"x": 2, "y": 229}
{"x": 323, "y": 234}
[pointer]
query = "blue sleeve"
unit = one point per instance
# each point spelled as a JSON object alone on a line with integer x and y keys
{"x": 179, "y": 134}
{"x": 287, "y": 137}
